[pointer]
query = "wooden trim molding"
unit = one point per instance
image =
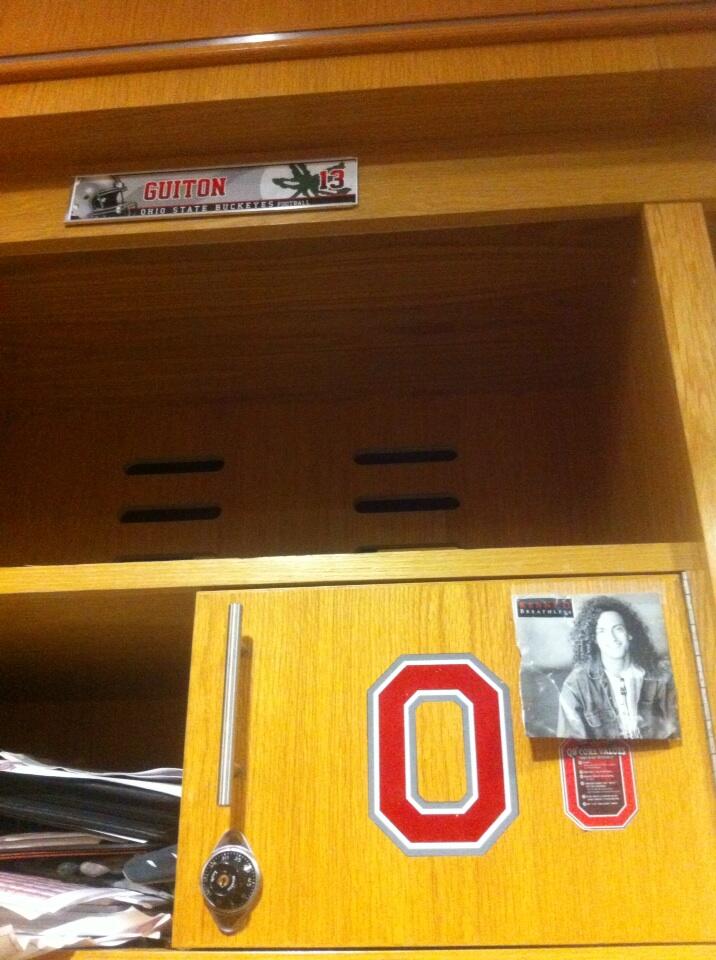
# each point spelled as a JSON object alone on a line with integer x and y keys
{"x": 526, "y": 187}
{"x": 349, "y": 41}
{"x": 46, "y": 26}
{"x": 385, "y": 566}
{"x": 685, "y": 277}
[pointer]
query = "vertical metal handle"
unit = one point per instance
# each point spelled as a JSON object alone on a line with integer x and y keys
{"x": 228, "y": 719}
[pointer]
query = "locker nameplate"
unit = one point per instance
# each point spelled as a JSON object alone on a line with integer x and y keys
{"x": 214, "y": 191}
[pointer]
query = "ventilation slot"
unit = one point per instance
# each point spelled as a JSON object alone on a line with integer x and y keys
{"x": 169, "y": 514}
{"x": 145, "y": 468}
{"x": 369, "y": 458}
{"x": 406, "y": 504}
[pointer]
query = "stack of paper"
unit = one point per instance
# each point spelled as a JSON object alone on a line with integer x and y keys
{"x": 38, "y": 915}
{"x": 133, "y": 808}
{"x": 112, "y": 838}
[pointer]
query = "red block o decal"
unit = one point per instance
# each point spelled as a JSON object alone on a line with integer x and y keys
{"x": 472, "y": 824}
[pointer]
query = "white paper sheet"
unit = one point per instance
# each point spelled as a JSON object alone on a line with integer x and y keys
{"x": 32, "y": 897}
{"x": 112, "y": 930}
{"x": 142, "y": 779}
{"x": 50, "y": 840}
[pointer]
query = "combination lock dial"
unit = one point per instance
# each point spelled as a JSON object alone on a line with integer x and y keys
{"x": 230, "y": 881}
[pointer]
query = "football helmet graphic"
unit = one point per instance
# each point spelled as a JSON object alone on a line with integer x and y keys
{"x": 103, "y": 197}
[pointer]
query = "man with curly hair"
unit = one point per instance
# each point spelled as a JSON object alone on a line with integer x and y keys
{"x": 618, "y": 687}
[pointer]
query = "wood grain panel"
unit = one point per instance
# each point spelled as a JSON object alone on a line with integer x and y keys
{"x": 644, "y": 445}
{"x": 385, "y": 566}
{"x": 362, "y": 39}
{"x": 28, "y": 26}
{"x": 293, "y": 109}
{"x": 656, "y": 58}
{"x": 314, "y": 653}
{"x": 506, "y": 317}
{"x": 685, "y": 277}
{"x": 652, "y": 952}
{"x": 511, "y": 183}
{"x": 524, "y": 475}
{"x": 311, "y": 275}
{"x": 463, "y": 308}
{"x": 704, "y": 611}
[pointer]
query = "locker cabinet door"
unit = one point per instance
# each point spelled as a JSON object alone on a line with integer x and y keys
{"x": 303, "y": 793}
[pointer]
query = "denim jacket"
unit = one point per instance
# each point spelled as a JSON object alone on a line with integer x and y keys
{"x": 587, "y": 710}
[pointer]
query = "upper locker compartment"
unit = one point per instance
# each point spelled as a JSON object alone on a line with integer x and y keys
{"x": 470, "y": 387}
